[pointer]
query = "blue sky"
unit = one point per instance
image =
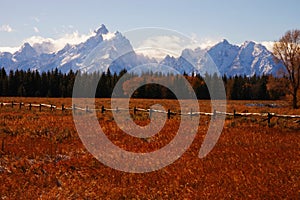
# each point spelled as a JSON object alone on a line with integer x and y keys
{"x": 235, "y": 20}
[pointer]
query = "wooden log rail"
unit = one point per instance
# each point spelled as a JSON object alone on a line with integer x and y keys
{"x": 169, "y": 113}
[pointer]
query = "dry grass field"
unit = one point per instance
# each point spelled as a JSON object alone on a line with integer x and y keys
{"x": 42, "y": 156}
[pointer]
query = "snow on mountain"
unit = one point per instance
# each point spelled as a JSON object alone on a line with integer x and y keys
{"x": 253, "y": 59}
{"x": 102, "y": 51}
{"x": 188, "y": 62}
{"x": 223, "y": 55}
{"x": 248, "y": 59}
{"x": 26, "y": 58}
{"x": 173, "y": 62}
{"x": 26, "y": 52}
{"x": 6, "y": 59}
{"x": 106, "y": 50}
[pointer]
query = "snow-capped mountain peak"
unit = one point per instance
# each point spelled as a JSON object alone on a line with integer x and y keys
{"x": 247, "y": 59}
{"x": 105, "y": 50}
{"x": 102, "y": 30}
{"x": 248, "y": 43}
{"x": 253, "y": 58}
{"x": 26, "y": 52}
{"x": 224, "y": 42}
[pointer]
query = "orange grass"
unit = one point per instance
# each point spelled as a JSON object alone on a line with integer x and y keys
{"x": 42, "y": 157}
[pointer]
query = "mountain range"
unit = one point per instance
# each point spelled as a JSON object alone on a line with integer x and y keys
{"x": 100, "y": 53}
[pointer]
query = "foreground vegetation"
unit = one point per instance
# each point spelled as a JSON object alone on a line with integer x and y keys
{"x": 42, "y": 157}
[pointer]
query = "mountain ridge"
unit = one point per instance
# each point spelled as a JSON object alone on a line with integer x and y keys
{"x": 105, "y": 50}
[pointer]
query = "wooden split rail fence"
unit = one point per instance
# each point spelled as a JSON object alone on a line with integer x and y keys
{"x": 169, "y": 113}
{"x": 32, "y": 105}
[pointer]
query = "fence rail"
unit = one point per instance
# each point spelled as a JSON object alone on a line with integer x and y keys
{"x": 169, "y": 113}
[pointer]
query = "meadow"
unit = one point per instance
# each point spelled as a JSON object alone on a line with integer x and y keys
{"x": 42, "y": 156}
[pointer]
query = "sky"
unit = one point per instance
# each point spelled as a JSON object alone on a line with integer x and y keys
{"x": 210, "y": 21}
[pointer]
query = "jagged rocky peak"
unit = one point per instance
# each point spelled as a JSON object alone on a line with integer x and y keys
{"x": 194, "y": 55}
{"x": 96, "y": 39}
{"x": 26, "y": 52}
{"x": 248, "y": 44}
{"x": 27, "y": 47}
{"x": 169, "y": 58}
{"x": 224, "y": 41}
{"x": 118, "y": 34}
{"x": 102, "y": 30}
{"x": 100, "y": 50}
{"x": 223, "y": 44}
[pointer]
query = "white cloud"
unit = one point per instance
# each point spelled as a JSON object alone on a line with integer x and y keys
{"x": 162, "y": 45}
{"x": 36, "y": 29}
{"x": 207, "y": 43}
{"x": 72, "y": 38}
{"x": 6, "y": 28}
{"x": 159, "y": 46}
{"x": 50, "y": 45}
{"x": 268, "y": 44}
{"x": 204, "y": 43}
{"x": 9, "y": 49}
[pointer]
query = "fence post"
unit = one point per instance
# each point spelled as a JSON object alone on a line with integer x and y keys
{"x": 1, "y": 104}
{"x": 40, "y": 107}
{"x": 62, "y": 108}
{"x": 134, "y": 110}
{"x": 234, "y": 113}
{"x": 150, "y": 113}
{"x": 269, "y": 119}
{"x": 20, "y": 105}
{"x": 214, "y": 114}
{"x": 169, "y": 113}
{"x": 102, "y": 109}
{"x": 12, "y": 104}
{"x": 29, "y": 106}
{"x": 191, "y": 113}
{"x": 51, "y": 107}
{"x": 74, "y": 109}
{"x": 86, "y": 109}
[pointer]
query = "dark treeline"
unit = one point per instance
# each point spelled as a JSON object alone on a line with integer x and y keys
{"x": 57, "y": 84}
